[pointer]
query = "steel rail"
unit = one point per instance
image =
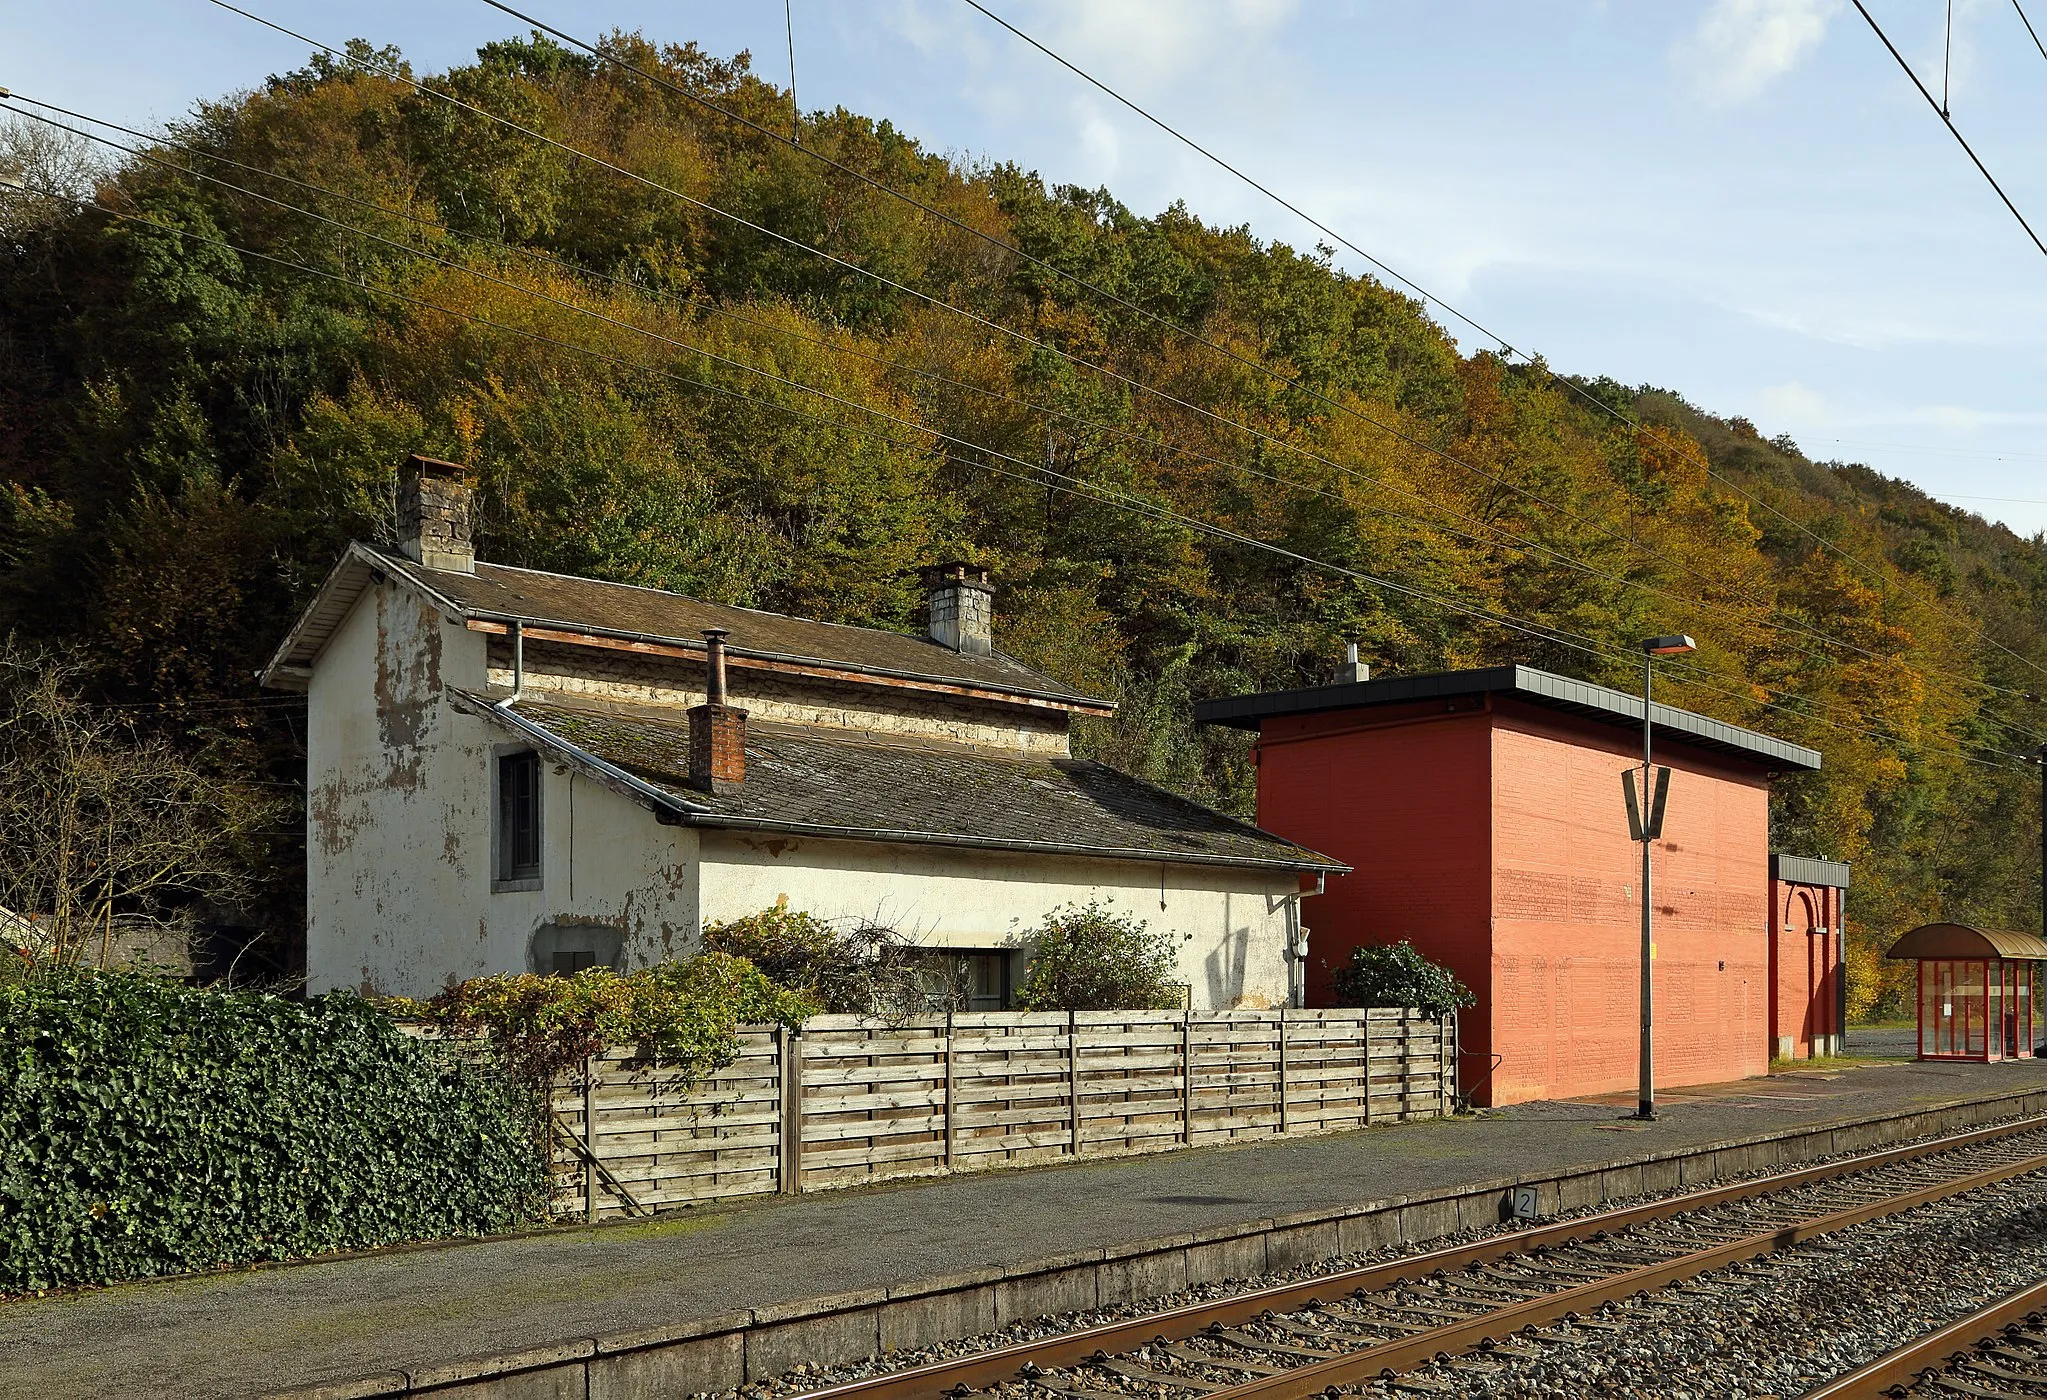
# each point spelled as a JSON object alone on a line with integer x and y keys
{"x": 1405, "y": 1353}
{"x": 1009, "y": 1364}
{"x": 1912, "y": 1362}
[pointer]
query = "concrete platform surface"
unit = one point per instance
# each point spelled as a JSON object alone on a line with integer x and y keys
{"x": 243, "y": 1333}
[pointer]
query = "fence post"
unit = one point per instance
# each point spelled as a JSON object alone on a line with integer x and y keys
{"x": 1073, "y": 1076}
{"x": 1450, "y": 1070}
{"x": 948, "y": 1091}
{"x": 1187, "y": 1076}
{"x": 1365, "y": 1059}
{"x": 790, "y": 1062}
{"x": 590, "y": 1139}
{"x": 1282, "y": 1073}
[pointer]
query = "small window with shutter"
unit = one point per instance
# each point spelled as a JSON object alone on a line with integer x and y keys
{"x": 518, "y": 828}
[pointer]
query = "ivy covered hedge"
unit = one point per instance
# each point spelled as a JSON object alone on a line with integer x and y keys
{"x": 149, "y": 1128}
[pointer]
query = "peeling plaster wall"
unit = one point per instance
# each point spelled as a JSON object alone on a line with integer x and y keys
{"x": 591, "y": 673}
{"x": 399, "y": 824}
{"x": 1231, "y": 924}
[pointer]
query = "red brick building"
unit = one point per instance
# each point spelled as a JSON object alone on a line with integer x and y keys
{"x": 1808, "y": 922}
{"x": 1482, "y": 811}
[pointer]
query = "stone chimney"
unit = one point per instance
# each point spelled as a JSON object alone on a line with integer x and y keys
{"x": 963, "y": 609}
{"x": 717, "y": 731}
{"x": 436, "y": 514}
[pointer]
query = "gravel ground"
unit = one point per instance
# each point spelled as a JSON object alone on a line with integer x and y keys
{"x": 1605, "y": 1364}
{"x": 1803, "y": 1317}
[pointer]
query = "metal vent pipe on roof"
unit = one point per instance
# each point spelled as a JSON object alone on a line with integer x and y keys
{"x": 714, "y": 649}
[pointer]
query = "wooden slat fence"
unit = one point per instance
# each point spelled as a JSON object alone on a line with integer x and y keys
{"x": 872, "y": 1100}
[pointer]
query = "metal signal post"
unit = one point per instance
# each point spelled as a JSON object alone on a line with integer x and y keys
{"x": 1647, "y": 822}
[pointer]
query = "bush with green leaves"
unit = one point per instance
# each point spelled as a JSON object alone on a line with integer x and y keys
{"x": 1088, "y": 957}
{"x": 864, "y": 970}
{"x": 684, "y": 1016}
{"x": 1394, "y": 974}
{"x": 149, "y": 1128}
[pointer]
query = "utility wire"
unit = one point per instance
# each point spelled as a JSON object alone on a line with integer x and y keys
{"x": 1145, "y": 313}
{"x": 1506, "y": 347}
{"x": 1519, "y": 542}
{"x": 1948, "y": 122}
{"x": 1032, "y": 473}
{"x": 2029, "y": 28}
{"x": 614, "y": 321}
{"x": 938, "y": 303}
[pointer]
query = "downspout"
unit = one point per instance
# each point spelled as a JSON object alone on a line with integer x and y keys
{"x": 1297, "y": 941}
{"x": 518, "y": 630}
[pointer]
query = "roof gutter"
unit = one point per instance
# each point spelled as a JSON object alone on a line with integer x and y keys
{"x": 674, "y": 811}
{"x": 706, "y": 818}
{"x": 566, "y": 632}
{"x": 664, "y": 803}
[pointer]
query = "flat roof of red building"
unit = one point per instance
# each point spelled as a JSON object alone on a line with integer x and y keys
{"x": 1596, "y": 702}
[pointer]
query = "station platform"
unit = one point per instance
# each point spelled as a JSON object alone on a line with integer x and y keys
{"x": 704, "y": 1298}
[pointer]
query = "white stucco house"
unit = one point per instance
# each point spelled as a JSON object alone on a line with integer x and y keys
{"x": 514, "y": 771}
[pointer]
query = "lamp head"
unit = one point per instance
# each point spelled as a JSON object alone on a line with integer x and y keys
{"x": 1668, "y": 646}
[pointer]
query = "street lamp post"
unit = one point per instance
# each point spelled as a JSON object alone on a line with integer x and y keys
{"x": 1652, "y": 647}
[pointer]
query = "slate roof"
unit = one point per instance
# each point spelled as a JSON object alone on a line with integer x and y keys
{"x": 1595, "y": 702}
{"x": 836, "y": 783}
{"x": 500, "y": 593}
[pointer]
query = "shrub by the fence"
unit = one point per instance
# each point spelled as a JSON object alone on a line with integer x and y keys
{"x": 1088, "y": 957}
{"x": 1395, "y": 974}
{"x": 148, "y": 1128}
{"x": 685, "y": 1016}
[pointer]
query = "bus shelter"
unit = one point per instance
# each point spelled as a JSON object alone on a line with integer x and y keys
{"x": 1975, "y": 990}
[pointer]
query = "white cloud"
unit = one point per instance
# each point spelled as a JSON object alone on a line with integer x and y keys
{"x": 1742, "y": 46}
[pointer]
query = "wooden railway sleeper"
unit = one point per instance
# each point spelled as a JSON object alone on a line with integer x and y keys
{"x": 1219, "y": 1361}
{"x": 1977, "y": 1366}
{"x": 1314, "y": 1334}
{"x": 1236, "y": 1336}
{"x": 1146, "y": 1375}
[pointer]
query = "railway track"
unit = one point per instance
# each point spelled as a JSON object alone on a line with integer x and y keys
{"x": 1999, "y": 1351}
{"x": 1479, "y": 1300}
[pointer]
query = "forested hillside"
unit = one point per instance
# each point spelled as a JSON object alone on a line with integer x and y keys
{"x": 214, "y": 356}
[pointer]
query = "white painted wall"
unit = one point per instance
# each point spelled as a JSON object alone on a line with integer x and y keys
{"x": 1231, "y": 923}
{"x": 400, "y": 814}
{"x": 399, "y": 850}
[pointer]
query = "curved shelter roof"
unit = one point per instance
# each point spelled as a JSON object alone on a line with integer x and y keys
{"x": 1968, "y": 941}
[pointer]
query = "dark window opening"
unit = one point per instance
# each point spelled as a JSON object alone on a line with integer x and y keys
{"x": 519, "y": 816}
{"x": 570, "y": 961}
{"x": 965, "y": 980}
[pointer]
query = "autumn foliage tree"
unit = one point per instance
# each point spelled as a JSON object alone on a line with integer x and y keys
{"x": 658, "y": 393}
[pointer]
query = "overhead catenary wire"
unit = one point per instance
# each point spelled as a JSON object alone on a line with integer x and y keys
{"x": 999, "y": 328}
{"x": 1034, "y": 473}
{"x": 1515, "y": 541}
{"x": 617, "y": 322}
{"x": 1948, "y": 121}
{"x": 1506, "y": 347}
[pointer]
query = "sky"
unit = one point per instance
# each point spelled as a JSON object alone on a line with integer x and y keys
{"x": 1745, "y": 201}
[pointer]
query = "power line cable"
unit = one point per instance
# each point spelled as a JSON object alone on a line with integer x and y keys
{"x": 576, "y": 309}
{"x": 1506, "y": 347}
{"x": 603, "y": 55}
{"x": 1035, "y": 474}
{"x": 939, "y": 303}
{"x": 1948, "y": 121}
{"x": 1519, "y": 542}
{"x": 2030, "y": 31}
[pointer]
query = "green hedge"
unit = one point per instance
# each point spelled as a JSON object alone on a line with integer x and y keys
{"x": 149, "y": 1128}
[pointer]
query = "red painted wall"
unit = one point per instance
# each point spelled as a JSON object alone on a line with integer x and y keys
{"x": 1496, "y": 840}
{"x": 1399, "y": 792}
{"x": 1805, "y": 965}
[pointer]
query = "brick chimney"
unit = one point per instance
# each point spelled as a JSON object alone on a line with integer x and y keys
{"x": 963, "y": 609}
{"x": 436, "y": 513}
{"x": 717, "y": 731}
